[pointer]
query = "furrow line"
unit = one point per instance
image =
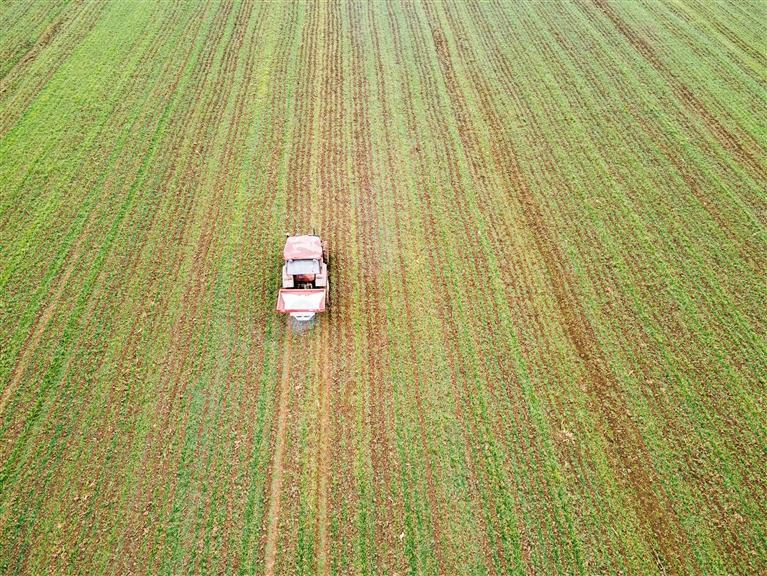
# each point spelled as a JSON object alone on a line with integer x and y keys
{"x": 478, "y": 171}
{"x": 19, "y": 372}
{"x": 378, "y": 393}
{"x": 186, "y": 182}
{"x": 391, "y": 511}
{"x": 82, "y": 25}
{"x": 435, "y": 521}
{"x": 260, "y": 360}
{"x": 626, "y": 442}
{"x": 202, "y": 269}
{"x": 34, "y": 319}
{"x": 639, "y": 267}
{"x": 254, "y": 238}
{"x": 126, "y": 269}
{"x": 24, "y": 52}
{"x": 431, "y": 234}
{"x": 636, "y": 265}
{"x": 298, "y": 217}
{"x": 473, "y": 230}
{"x": 740, "y": 145}
{"x": 275, "y": 484}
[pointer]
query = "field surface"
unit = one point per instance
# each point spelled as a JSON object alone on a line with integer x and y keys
{"x": 546, "y": 351}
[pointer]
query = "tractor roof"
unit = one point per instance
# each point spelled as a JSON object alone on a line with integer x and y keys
{"x": 303, "y": 248}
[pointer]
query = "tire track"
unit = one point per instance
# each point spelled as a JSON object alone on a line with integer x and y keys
{"x": 275, "y": 484}
{"x": 656, "y": 393}
{"x": 732, "y": 36}
{"x": 697, "y": 188}
{"x": 255, "y": 241}
{"x": 431, "y": 491}
{"x": 552, "y": 168}
{"x": 241, "y": 54}
{"x": 663, "y": 321}
{"x": 473, "y": 228}
{"x": 435, "y": 250}
{"x": 48, "y": 26}
{"x": 327, "y": 165}
{"x": 42, "y": 320}
{"x": 199, "y": 284}
{"x": 321, "y": 529}
{"x": 39, "y": 320}
{"x": 298, "y": 217}
{"x": 9, "y": 433}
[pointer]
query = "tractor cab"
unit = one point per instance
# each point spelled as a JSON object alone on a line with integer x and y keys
{"x": 306, "y": 269}
{"x": 304, "y": 277}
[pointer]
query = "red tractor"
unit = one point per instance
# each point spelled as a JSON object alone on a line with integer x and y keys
{"x": 305, "y": 285}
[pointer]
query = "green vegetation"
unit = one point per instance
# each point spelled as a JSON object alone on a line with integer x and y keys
{"x": 546, "y": 349}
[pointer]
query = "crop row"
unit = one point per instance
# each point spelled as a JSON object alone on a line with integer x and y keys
{"x": 544, "y": 350}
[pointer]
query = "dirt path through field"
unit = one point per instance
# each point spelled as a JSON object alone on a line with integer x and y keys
{"x": 275, "y": 486}
{"x": 323, "y": 451}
